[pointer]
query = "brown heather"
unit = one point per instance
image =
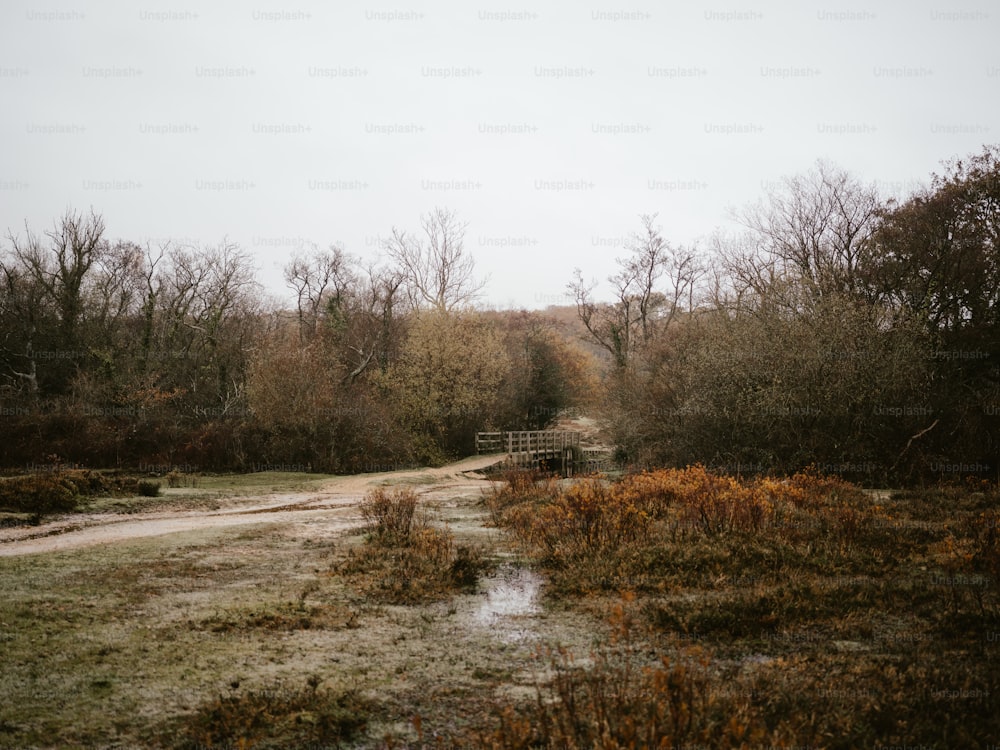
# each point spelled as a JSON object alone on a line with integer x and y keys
{"x": 761, "y": 612}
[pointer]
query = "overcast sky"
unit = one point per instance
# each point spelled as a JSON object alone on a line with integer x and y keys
{"x": 550, "y": 127}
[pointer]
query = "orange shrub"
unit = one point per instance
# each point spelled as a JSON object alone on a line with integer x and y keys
{"x": 809, "y": 488}
{"x": 698, "y": 499}
{"x": 596, "y": 515}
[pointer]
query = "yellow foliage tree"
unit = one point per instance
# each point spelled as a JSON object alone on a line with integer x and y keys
{"x": 446, "y": 384}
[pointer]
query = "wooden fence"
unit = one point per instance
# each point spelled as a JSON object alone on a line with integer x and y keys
{"x": 532, "y": 447}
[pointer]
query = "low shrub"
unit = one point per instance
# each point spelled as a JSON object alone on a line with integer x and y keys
{"x": 38, "y": 494}
{"x": 148, "y": 488}
{"x": 513, "y": 488}
{"x": 599, "y": 534}
{"x": 616, "y": 705}
{"x": 61, "y": 491}
{"x": 624, "y": 700}
{"x": 389, "y": 514}
{"x": 406, "y": 560}
{"x": 277, "y": 716}
{"x": 836, "y": 617}
{"x": 427, "y": 566}
{"x": 637, "y": 692}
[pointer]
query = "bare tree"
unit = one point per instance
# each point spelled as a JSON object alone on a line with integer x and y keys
{"x": 116, "y": 291}
{"x": 75, "y": 244}
{"x": 22, "y": 314}
{"x": 204, "y": 312}
{"x": 374, "y": 335}
{"x": 57, "y": 273}
{"x": 818, "y": 228}
{"x": 438, "y": 272}
{"x": 152, "y": 286}
{"x": 318, "y": 280}
{"x": 641, "y": 309}
{"x": 353, "y": 307}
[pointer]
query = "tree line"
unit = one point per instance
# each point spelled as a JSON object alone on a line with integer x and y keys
{"x": 115, "y": 354}
{"x": 835, "y": 328}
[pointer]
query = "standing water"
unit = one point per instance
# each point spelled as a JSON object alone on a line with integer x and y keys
{"x": 510, "y": 599}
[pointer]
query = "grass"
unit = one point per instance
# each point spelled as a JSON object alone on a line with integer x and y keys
{"x": 39, "y": 494}
{"x": 620, "y": 700}
{"x": 281, "y": 617}
{"x": 139, "y": 644}
{"x": 195, "y": 491}
{"x": 28, "y": 498}
{"x": 262, "y": 482}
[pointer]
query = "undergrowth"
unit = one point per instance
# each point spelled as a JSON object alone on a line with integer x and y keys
{"x": 622, "y": 697}
{"x": 276, "y": 717}
{"x": 406, "y": 560}
{"x": 666, "y": 529}
{"x": 822, "y": 615}
{"x": 60, "y": 491}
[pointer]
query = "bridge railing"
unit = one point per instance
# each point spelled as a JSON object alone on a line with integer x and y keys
{"x": 490, "y": 442}
{"x": 526, "y": 441}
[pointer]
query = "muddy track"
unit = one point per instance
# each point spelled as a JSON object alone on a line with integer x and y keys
{"x": 334, "y": 507}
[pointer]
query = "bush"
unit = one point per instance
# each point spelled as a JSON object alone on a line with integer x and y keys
{"x": 790, "y": 586}
{"x": 389, "y": 513}
{"x": 60, "y": 491}
{"x": 405, "y": 560}
{"x": 601, "y": 534}
{"x": 515, "y": 487}
{"x": 177, "y": 479}
{"x": 427, "y": 566}
{"x": 38, "y": 494}
{"x": 277, "y": 717}
{"x": 148, "y": 488}
{"x": 620, "y": 702}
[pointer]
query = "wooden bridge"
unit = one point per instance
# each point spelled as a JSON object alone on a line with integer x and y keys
{"x": 524, "y": 448}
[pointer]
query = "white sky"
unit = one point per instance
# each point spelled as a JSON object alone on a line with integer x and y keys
{"x": 549, "y": 127}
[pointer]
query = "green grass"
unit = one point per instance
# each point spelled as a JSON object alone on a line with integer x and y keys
{"x": 210, "y": 489}
{"x": 414, "y": 481}
{"x": 262, "y": 482}
{"x": 221, "y": 486}
{"x": 197, "y": 492}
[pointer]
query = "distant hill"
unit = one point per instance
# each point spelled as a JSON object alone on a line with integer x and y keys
{"x": 569, "y": 325}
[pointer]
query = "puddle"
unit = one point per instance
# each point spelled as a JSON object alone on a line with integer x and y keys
{"x": 510, "y": 599}
{"x": 754, "y": 660}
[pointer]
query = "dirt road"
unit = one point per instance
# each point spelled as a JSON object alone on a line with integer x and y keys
{"x": 334, "y": 506}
